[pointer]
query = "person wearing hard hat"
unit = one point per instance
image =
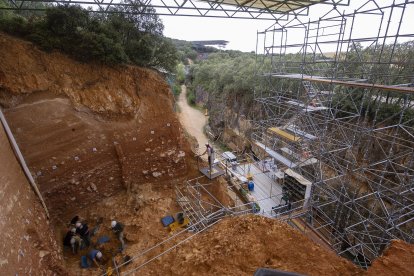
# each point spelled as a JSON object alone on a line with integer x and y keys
{"x": 118, "y": 229}
{"x": 74, "y": 220}
{"x": 95, "y": 256}
{"x": 72, "y": 240}
{"x": 83, "y": 231}
{"x": 210, "y": 153}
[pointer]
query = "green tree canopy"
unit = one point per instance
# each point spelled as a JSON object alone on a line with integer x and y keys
{"x": 129, "y": 36}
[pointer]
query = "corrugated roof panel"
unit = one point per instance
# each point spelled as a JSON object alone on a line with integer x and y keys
{"x": 279, "y": 6}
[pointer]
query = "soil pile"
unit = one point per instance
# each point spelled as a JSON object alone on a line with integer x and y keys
{"x": 397, "y": 259}
{"x": 240, "y": 245}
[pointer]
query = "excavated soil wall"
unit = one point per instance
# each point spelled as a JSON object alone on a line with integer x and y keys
{"x": 86, "y": 130}
{"x": 27, "y": 243}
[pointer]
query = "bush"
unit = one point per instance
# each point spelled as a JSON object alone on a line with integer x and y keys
{"x": 113, "y": 39}
{"x": 191, "y": 96}
{"x": 180, "y": 72}
{"x": 176, "y": 90}
{"x": 14, "y": 25}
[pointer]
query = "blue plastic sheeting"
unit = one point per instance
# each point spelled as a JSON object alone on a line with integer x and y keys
{"x": 167, "y": 220}
{"x": 103, "y": 239}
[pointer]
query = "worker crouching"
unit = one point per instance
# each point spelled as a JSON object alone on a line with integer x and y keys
{"x": 72, "y": 240}
{"x": 96, "y": 257}
{"x": 83, "y": 231}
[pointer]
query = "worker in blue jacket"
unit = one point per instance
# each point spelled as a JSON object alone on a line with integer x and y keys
{"x": 95, "y": 256}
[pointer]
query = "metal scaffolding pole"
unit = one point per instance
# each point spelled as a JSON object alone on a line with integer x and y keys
{"x": 353, "y": 91}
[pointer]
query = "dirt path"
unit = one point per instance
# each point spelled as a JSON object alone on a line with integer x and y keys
{"x": 192, "y": 119}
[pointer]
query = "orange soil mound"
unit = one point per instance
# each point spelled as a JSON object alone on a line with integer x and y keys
{"x": 397, "y": 259}
{"x": 240, "y": 245}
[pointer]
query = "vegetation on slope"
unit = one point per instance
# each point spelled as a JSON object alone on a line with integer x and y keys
{"x": 226, "y": 74}
{"x": 119, "y": 37}
{"x": 188, "y": 51}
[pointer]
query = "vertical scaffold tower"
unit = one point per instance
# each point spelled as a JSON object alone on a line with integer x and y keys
{"x": 341, "y": 81}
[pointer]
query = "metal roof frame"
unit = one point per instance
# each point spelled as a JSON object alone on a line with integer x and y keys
{"x": 279, "y": 10}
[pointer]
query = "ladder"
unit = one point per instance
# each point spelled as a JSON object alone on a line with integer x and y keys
{"x": 310, "y": 89}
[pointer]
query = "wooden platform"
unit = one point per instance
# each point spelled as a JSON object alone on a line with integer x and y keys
{"x": 351, "y": 83}
{"x": 216, "y": 171}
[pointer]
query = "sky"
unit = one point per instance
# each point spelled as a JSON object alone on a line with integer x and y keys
{"x": 242, "y": 33}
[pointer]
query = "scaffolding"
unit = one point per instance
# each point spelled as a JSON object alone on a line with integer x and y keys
{"x": 336, "y": 93}
{"x": 338, "y": 87}
{"x": 198, "y": 204}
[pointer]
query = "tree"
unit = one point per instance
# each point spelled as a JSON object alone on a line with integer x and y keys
{"x": 124, "y": 37}
{"x": 180, "y": 72}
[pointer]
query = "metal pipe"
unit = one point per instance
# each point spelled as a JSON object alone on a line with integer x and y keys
{"x": 22, "y": 162}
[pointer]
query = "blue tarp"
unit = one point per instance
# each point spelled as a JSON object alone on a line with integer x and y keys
{"x": 167, "y": 220}
{"x": 103, "y": 239}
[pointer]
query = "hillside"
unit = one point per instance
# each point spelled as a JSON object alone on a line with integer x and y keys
{"x": 104, "y": 143}
{"x": 101, "y": 142}
{"x": 397, "y": 259}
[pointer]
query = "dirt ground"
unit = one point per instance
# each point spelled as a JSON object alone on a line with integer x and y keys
{"x": 192, "y": 119}
{"x": 240, "y": 245}
{"x": 397, "y": 259}
{"x": 140, "y": 212}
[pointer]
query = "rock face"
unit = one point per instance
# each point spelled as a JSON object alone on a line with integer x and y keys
{"x": 84, "y": 128}
{"x": 28, "y": 246}
{"x": 228, "y": 116}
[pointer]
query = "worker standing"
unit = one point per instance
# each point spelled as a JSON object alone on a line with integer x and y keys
{"x": 118, "y": 229}
{"x": 210, "y": 153}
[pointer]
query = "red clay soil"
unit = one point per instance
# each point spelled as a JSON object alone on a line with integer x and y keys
{"x": 27, "y": 246}
{"x": 240, "y": 245}
{"x": 397, "y": 259}
{"x": 87, "y": 130}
